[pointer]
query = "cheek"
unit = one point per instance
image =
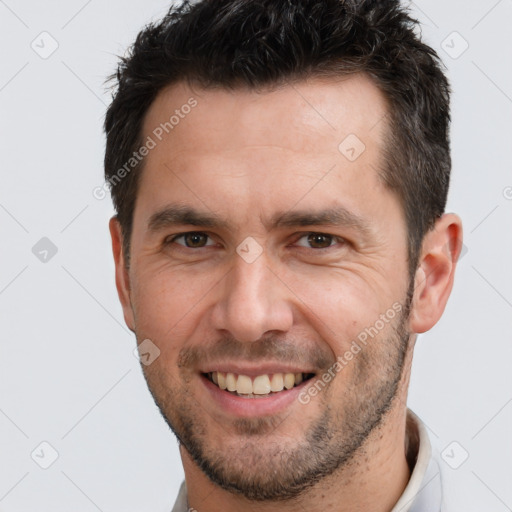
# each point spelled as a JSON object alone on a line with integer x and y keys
{"x": 166, "y": 307}
{"x": 341, "y": 304}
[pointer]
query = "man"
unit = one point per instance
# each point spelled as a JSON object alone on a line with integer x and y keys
{"x": 280, "y": 173}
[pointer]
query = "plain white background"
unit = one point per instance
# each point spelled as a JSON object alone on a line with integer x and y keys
{"x": 68, "y": 376}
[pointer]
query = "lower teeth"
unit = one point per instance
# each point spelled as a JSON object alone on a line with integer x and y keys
{"x": 250, "y": 395}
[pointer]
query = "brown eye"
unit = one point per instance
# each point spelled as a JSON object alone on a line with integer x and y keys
{"x": 195, "y": 239}
{"x": 192, "y": 240}
{"x": 319, "y": 241}
{"x": 316, "y": 241}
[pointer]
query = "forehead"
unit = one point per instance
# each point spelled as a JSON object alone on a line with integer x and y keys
{"x": 306, "y": 116}
{"x": 247, "y": 154}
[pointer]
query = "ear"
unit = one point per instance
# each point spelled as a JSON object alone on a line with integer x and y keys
{"x": 122, "y": 275}
{"x": 434, "y": 277}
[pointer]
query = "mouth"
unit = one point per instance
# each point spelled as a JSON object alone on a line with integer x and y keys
{"x": 258, "y": 386}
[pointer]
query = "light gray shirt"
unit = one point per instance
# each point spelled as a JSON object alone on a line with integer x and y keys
{"x": 424, "y": 490}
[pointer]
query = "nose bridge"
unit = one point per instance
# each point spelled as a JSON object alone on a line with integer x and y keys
{"x": 252, "y": 301}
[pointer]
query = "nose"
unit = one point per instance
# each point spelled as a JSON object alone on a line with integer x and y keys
{"x": 253, "y": 301}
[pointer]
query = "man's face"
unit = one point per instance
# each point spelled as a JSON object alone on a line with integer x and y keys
{"x": 237, "y": 268}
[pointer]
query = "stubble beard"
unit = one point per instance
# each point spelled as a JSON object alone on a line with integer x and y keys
{"x": 259, "y": 466}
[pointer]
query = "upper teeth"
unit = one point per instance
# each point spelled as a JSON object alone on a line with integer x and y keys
{"x": 260, "y": 385}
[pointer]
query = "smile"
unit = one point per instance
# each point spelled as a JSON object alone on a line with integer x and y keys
{"x": 256, "y": 387}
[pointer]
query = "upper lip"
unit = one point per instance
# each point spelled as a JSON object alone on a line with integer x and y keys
{"x": 254, "y": 369}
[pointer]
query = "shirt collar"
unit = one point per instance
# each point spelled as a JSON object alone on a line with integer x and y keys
{"x": 423, "y": 491}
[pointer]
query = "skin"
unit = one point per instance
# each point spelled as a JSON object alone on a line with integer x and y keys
{"x": 246, "y": 157}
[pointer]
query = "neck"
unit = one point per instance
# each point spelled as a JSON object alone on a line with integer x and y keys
{"x": 373, "y": 481}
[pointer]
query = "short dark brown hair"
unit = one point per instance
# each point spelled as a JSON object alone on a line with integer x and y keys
{"x": 264, "y": 43}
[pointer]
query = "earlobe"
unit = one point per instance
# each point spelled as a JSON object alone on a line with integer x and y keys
{"x": 436, "y": 271}
{"x": 122, "y": 275}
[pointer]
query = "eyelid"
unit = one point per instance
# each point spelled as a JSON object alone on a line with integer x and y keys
{"x": 335, "y": 238}
{"x": 172, "y": 239}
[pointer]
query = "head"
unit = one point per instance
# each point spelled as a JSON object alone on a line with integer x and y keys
{"x": 285, "y": 173}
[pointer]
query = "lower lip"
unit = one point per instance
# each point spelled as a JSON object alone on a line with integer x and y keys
{"x": 252, "y": 407}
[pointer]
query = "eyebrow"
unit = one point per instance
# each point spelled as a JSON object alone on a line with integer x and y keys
{"x": 338, "y": 216}
{"x": 173, "y": 215}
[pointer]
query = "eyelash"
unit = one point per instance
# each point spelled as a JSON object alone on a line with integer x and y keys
{"x": 172, "y": 239}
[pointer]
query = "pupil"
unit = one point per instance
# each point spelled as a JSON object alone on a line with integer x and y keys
{"x": 321, "y": 241}
{"x": 195, "y": 240}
